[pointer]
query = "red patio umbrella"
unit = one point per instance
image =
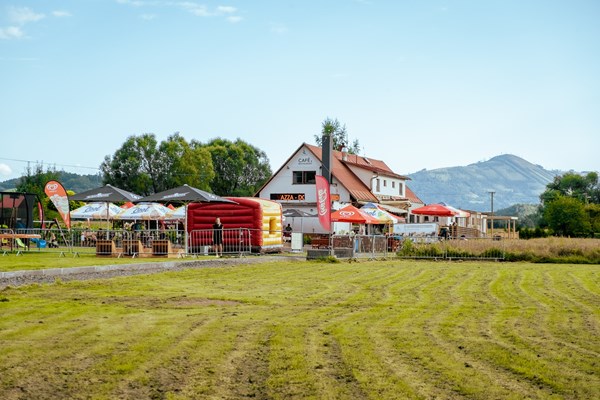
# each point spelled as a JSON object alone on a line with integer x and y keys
{"x": 353, "y": 215}
{"x": 439, "y": 210}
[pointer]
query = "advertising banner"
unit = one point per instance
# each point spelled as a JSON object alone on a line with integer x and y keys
{"x": 58, "y": 195}
{"x": 323, "y": 202}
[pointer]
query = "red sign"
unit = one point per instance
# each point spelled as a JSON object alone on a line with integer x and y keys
{"x": 58, "y": 195}
{"x": 323, "y": 202}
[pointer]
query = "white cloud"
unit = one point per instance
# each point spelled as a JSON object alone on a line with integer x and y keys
{"x": 196, "y": 9}
{"x": 60, "y": 13}
{"x": 136, "y": 3}
{"x": 5, "y": 170}
{"x": 226, "y": 9}
{"x": 234, "y": 19}
{"x": 23, "y": 15}
{"x": 11, "y": 32}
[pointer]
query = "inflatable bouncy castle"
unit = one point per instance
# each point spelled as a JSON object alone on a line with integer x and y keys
{"x": 255, "y": 222}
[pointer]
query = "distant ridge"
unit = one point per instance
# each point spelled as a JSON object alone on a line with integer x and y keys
{"x": 513, "y": 179}
{"x": 75, "y": 182}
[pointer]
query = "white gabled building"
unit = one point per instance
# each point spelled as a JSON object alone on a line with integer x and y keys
{"x": 355, "y": 180}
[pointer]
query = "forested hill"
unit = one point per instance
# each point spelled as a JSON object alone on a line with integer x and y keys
{"x": 513, "y": 179}
{"x": 74, "y": 182}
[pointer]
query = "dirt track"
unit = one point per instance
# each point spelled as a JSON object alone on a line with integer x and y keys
{"x": 18, "y": 278}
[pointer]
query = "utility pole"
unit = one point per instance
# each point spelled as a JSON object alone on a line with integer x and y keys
{"x": 492, "y": 213}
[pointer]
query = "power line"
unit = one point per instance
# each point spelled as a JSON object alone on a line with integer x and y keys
{"x": 50, "y": 163}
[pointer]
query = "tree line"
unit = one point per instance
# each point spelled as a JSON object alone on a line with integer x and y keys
{"x": 144, "y": 166}
{"x": 570, "y": 207}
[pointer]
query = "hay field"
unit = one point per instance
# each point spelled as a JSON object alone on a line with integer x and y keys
{"x": 295, "y": 330}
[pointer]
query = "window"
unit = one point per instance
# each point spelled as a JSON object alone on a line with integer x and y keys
{"x": 378, "y": 188}
{"x": 385, "y": 183}
{"x": 303, "y": 177}
{"x": 393, "y": 184}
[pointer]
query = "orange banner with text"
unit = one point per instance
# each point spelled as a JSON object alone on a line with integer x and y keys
{"x": 58, "y": 195}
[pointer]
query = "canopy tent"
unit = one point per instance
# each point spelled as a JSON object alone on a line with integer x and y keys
{"x": 144, "y": 211}
{"x": 380, "y": 214}
{"x": 184, "y": 194}
{"x": 440, "y": 210}
{"x": 353, "y": 215}
{"x": 96, "y": 211}
{"x": 107, "y": 194}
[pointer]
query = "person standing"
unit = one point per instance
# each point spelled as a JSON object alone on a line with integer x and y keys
{"x": 218, "y": 237}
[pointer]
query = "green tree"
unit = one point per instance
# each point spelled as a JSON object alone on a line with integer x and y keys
{"x": 567, "y": 216}
{"x": 127, "y": 168}
{"x": 240, "y": 168}
{"x": 183, "y": 163}
{"x": 582, "y": 187}
{"x": 593, "y": 211}
{"x": 339, "y": 135}
{"x": 144, "y": 166}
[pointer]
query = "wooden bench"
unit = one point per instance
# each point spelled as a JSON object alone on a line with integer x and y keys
{"x": 161, "y": 248}
{"x": 105, "y": 248}
{"x": 132, "y": 248}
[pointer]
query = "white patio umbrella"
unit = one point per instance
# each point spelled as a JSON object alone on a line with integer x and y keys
{"x": 144, "y": 211}
{"x": 176, "y": 214}
{"x": 96, "y": 211}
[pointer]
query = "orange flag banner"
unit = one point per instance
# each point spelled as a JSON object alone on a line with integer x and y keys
{"x": 58, "y": 195}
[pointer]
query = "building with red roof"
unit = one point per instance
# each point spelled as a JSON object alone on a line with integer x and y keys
{"x": 355, "y": 180}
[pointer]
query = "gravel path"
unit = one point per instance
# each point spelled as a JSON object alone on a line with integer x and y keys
{"x": 18, "y": 278}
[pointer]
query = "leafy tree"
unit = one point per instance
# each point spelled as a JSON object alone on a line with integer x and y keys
{"x": 566, "y": 216}
{"x": 339, "y": 135}
{"x": 240, "y": 168}
{"x": 144, "y": 166}
{"x": 593, "y": 211}
{"x": 584, "y": 188}
{"x": 184, "y": 164}
{"x": 126, "y": 168}
{"x": 569, "y": 204}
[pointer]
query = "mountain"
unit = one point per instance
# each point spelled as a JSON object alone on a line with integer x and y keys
{"x": 512, "y": 179}
{"x": 75, "y": 182}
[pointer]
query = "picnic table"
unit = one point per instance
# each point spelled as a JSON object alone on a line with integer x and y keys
{"x": 16, "y": 237}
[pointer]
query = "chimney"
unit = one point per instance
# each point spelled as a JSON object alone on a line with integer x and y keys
{"x": 327, "y": 148}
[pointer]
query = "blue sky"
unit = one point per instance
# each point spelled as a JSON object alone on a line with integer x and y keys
{"x": 420, "y": 83}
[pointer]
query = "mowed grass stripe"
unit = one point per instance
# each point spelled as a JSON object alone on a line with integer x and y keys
{"x": 522, "y": 333}
{"x": 457, "y": 327}
{"x": 367, "y": 355}
{"x": 390, "y": 329}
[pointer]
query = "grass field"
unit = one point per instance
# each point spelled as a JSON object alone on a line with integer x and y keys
{"x": 34, "y": 260}
{"x": 369, "y": 330}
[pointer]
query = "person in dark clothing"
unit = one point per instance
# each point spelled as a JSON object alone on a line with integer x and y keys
{"x": 218, "y": 237}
